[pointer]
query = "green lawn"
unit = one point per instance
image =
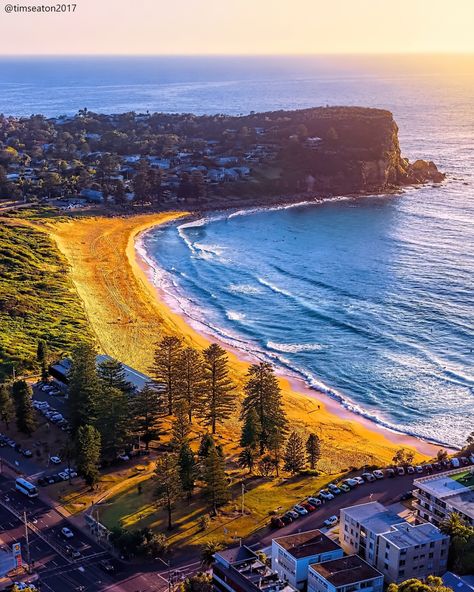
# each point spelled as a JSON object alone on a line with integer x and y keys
{"x": 466, "y": 478}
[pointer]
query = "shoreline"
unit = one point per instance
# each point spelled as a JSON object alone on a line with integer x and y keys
{"x": 297, "y": 384}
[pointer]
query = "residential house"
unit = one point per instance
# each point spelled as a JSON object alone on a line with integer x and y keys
{"x": 346, "y": 574}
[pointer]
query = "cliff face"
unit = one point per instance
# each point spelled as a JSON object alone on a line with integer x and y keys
{"x": 349, "y": 149}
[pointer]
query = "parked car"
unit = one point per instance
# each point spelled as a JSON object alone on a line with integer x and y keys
{"x": 42, "y": 481}
{"x": 294, "y": 515}
{"x": 73, "y": 552}
{"x": 301, "y": 511}
{"x": 27, "y": 453}
{"x": 331, "y": 521}
{"x": 410, "y": 470}
{"x": 359, "y": 480}
{"x": 344, "y": 487}
{"x": 123, "y": 457}
{"x": 400, "y": 471}
{"x": 438, "y": 466}
{"x": 64, "y": 476}
{"x": 351, "y": 482}
{"x": 378, "y": 474}
{"x": 429, "y": 468}
{"x": 67, "y": 532}
{"x": 287, "y": 518}
{"x": 406, "y": 496}
{"x": 454, "y": 463}
{"x": 314, "y": 501}
{"x": 307, "y": 506}
{"x": 334, "y": 489}
{"x": 324, "y": 493}
{"x": 277, "y": 522}
{"x": 390, "y": 473}
{"x": 55, "y": 460}
{"x": 107, "y": 566}
{"x": 419, "y": 469}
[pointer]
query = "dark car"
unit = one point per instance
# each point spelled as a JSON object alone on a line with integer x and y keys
{"x": 107, "y": 566}
{"x": 287, "y": 519}
{"x": 42, "y": 482}
{"x": 73, "y": 552}
{"x": 276, "y": 522}
{"x": 406, "y": 496}
{"x": 17, "y": 447}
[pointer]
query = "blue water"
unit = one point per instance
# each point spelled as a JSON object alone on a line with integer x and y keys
{"x": 370, "y": 300}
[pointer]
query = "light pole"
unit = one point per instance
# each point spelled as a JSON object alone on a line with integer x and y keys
{"x": 27, "y": 540}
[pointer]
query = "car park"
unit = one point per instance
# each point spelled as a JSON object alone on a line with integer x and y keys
{"x": 326, "y": 495}
{"x": 378, "y": 474}
{"x": 334, "y": 489}
{"x": 301, "y": 511}
{"x": 331, "y": 521}
{"x": 67, "y": 532}
{"x": 314, "y": 501}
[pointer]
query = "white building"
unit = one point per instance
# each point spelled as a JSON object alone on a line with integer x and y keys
{"x": 292, "y": 554}
{"x": 347, "y": 574}
{"x": 437, "y": 496}
{"x": 399, "y": 550}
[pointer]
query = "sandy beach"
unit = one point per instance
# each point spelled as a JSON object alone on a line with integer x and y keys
{"x": 129, "y": 315}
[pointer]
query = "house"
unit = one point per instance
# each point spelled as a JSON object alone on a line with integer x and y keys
{"x": 239, "y": 569}
{"x": 437, "y": 496}
{"x": 458, "y": 583}
{"x": 292, "y": 554}
{"x": 344, "y": 574}
{"x": 398, "y": 549}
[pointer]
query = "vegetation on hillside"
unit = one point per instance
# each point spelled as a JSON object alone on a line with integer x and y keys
{"x": 37, "y": 300}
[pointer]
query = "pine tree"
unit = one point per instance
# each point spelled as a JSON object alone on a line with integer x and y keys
{"x": 7, "y": 408}
{"x": 166, "y": 368}
{"x": 88, "y": 454}
{"x": 276, "y": 441}
{"x": 112, "y": 373}
{"x": 84, "y": 387}
{"x": 187, "y": 469}
{"x": 218, "y": 393}
{"x": 294, "y": 454}
{"x": 263, "y": 395}
{"x": 42, "y": 357}
{"x": 250, "y": 430}
{"x": 247, "y": 458}
{"x": 181, "y": 426}
{"x": 168, "y": 490}
{"x": 217, "y": 489}
{"x": 207, "y": 442}
{"x": 145, "y": 414}
{"x": 112, "y": 421}
{"x": 191, "y": 379}
{"x": 313, "y": 450}
{"x": 25, "y": 419}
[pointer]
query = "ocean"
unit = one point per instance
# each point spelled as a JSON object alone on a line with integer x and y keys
{"x": 370, "y": 300}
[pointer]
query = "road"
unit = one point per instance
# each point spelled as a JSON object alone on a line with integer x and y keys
{"x": 56, "y": 570}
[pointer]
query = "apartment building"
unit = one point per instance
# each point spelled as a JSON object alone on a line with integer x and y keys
{"x": 346, "y": 574}
{"x": 437, "y": 496}
{"x": 239, "y": 569}
{"x": 292, "y": 554}
{"x": 398, "y": 549}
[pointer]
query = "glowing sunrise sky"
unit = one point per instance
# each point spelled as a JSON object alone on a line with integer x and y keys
{"x": 241, "y": 27}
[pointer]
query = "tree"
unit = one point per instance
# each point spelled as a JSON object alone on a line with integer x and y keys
{"x": 275, "y": 446}
{"x": 217, "y": 490}
{"x": 187, "y": 469}
{"x": 84, "y": 387}
{"x": 263, "y": 395}
{"x": 200, "y": 582}
{"x": 442, "y": 455}
{"x": 294, "y": 454}
{"x": 461, "y": 553}
{"x": 191, "y": 379}
{"x": 207, "y": 442}
{"x": 218, "y": 393}
{"x": 168, "y": 490}
{"x": 88, "y": 454}
{"x": 403, "y": 457}
{"x": 431, "y": 584}
{"x": 251, "y": 430}
{"x": 145, "y": 414}
{"x": 112, "y": 373}
{"x": 469, "y": 447}
{"x": 181, "y": 426}
{"x": 113, "y": 421}
{"x": 247, "y": 458}
{"x": 42, "y": 357}
{"x": 208, "y": 551}
{"x": 313, "y": 450}
{"x": 7, "y": 409}
{"x": 25, "y": 419}
{"x": 166, "y": 367}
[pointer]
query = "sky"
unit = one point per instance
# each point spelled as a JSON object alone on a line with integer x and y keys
{"x": 239, "y": 27}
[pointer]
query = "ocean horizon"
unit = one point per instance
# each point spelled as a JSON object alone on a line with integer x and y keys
{"x": 370, "y": 300}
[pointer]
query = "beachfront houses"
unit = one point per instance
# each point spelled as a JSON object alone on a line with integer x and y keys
{"x": 437, "y": 496}
{"x": 292, "y": 554}
{"x": 398, "y": 549}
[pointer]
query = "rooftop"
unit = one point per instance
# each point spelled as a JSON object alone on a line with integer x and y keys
{"x": 455, "y": 487}
{"x": 463, "y": 502}
{"x": 408, "y": 535}
{"x": 346, "y": 570}
{"x": 373, "y": 516}
{"x": 236, "y": 554}
{"x": 305, "y": 544}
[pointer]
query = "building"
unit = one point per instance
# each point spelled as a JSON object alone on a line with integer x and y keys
{"x": 239, "y": 569}
{"x": 458, "y": 583}
{"x": 346, "y": 574}
{"x": 292, "y": 554}
{"x": 437, "y": 496}
{"x": 398, "y": 549}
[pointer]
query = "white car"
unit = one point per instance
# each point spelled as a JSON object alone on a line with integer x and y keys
{"x": 410, "y": 470}
{"x": 419, "y": 469}
{"x": 351, "y": 482}
{"x": 55, "y": 460}
{"x": 378, "y": 474}
{"x": 301, "y": 511}
{"x": 359, "y": 480}
{"x": 67, "y": 532}
{"x": 314, "y": 501}
{"x": 331, "y": 521}
{"x": 400, "y": 471}
{"x": 324, "y": 493}
{"x": 64, "y": 476}
{"x": 368, "y": 477}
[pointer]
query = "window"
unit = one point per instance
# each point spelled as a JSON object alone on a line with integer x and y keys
{"x": 402, "y": 572}
{"x": 432, "y": 545}
{"x": 402, "y": 562}
{"x": 431, "y": 555}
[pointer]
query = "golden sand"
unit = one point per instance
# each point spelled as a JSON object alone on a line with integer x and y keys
{"x": 129, "y": 317}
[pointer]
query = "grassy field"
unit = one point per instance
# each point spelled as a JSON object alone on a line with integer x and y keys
{"x": 37, "y": 298}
